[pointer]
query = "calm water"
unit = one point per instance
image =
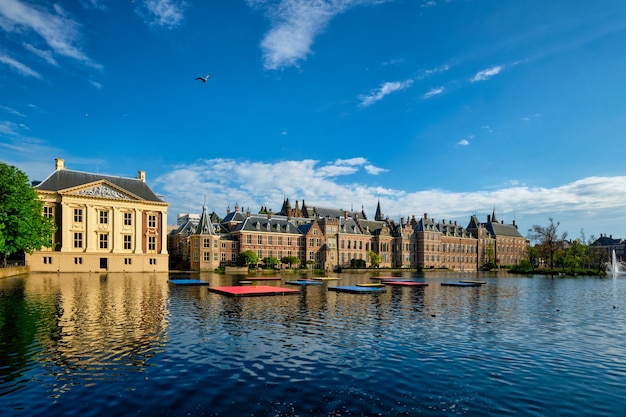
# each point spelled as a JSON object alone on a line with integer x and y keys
{"x": 134, "y": 345}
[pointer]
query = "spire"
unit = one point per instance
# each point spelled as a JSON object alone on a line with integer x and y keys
{"x": 494, "y": 219}
{"x": 379, "y": 214}
{"x": 204, "y": 225}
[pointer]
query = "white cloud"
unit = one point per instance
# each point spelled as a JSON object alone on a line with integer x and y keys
{"x": 433, "y": 92}
{"x": 486, "y": 74}
{"x": 463, "y": 142}
{"x": 54, "y": 26}
{"x": 371, "y": 169}
{"x": 385, "y": 89}
{"x": 294, "y": 26}
{"x": 590, "y": 202}
{"x": 164, "y": 13}
{"x": 18, "y": 66}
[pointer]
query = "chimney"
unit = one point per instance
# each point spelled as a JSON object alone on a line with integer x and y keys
{"x": 141, "y": 176}
{"x": 59, "y": 164}
{"x": 269, "y": 214}
{"x": 426, "y": 216}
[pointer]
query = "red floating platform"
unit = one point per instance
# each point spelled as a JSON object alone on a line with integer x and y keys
{"x": 246, "y": 291}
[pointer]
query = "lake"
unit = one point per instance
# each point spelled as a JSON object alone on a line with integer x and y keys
{"x": 136, "y": 345}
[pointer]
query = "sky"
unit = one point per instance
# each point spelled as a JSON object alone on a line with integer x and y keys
{"x": 452, "y": 108}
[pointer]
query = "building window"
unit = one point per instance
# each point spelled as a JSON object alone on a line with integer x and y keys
{"x": 128, "y": 219}
{"x": 78, "y": 240}
{"x": 311, "y": 242}
{"x": 206, "y": 243}
{"x": 104, "y": 241}
{"x": 127, "y": 261}
{"x": 128, "y": 242}
{"x": 78, "y": 215}
{"x": 152, "y": 221}
{"x": 152, "y": 261}
{"x": 249, "y": 239}
{"x": 47, "y": 212}
{"x": 206, "y": 256}
{"x": 215, "y": 256}
{"x": 223, "y": 256}
{"x": 280, "y": 240}
{"x": 152, "y": 243}
{"x": 103, "y": 217}
{"x": 259, "y": 239}
{"x": 270, "y": 240}
{"x": 78, "y": 261}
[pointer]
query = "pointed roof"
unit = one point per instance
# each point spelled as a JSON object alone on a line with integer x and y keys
{"x": 205, "y": 227}
{"x": 379, "y": 213}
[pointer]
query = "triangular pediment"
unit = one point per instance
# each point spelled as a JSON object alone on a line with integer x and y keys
{"x": 101, "y": 189}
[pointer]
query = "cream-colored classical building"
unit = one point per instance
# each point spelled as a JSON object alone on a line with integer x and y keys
{"x": 105, "y": 224}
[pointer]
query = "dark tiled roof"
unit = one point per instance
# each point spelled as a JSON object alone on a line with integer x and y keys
{"x": 64, "y": 179}
{"x": 263, "y": 224}
{"x": 499, "y": 229}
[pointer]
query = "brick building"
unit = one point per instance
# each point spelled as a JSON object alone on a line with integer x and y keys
{"x": 334, "y": 238}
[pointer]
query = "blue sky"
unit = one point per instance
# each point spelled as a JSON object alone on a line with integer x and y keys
{"x": 451, "y": 108}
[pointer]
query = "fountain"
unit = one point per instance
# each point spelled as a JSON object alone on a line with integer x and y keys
{"x": 615, "y": 267}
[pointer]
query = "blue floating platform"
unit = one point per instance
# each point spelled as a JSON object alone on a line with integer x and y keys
{"x": 357, "y": 289}
{"x": 303, "y": 282}
{"x": 188, "y": 282}
{"x": 460, "y": 284}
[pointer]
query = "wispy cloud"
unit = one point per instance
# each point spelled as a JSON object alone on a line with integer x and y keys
{"x": 294, "y": 26}
{"x": 255, "y": 184}
{"x": 18, "y": 66}
{"x": 486, "y": 74}
{"x": 53, "y": 26}
{"x": 167, "y": 14}
{"x": 384, "y": 90}
{"x": 433, "y": 92}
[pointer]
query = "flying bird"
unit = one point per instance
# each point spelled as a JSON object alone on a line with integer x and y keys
{"x": 203, "y": 79}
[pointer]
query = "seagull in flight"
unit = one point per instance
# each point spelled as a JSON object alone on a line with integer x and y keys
{"x": 203, "y": 79}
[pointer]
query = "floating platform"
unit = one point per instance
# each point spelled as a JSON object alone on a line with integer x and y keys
{"x": 472, "y": 281}
{"x": 370, "y": 285}
{"x": 357, "y": 289}
{"x": 326, "y": 278}
{"x": 187, "y": 282}
{"x": 304, "y": 282}
{"x": 406, "y": 283}
{"x": 263, "y": 279}
{"x": 247, "y": 291}
{"x": 460, "y": 284}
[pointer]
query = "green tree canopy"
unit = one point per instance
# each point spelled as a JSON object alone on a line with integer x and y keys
{"x": 247, "y": 258}
{"x": 23, "y": 226}
{"x": 270, "y": 261}
{"x": 374, "y": 259}
{"x": 290, "y": 260}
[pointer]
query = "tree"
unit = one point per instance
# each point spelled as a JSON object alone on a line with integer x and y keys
{"x": 290, "y": 260}
{"x": 23, "y": 226}
{"x": 270, "y": 261}
{"x": 247, "y": 258}
{"x": 374, "y": 259}
{"x": 547, "y": 240}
